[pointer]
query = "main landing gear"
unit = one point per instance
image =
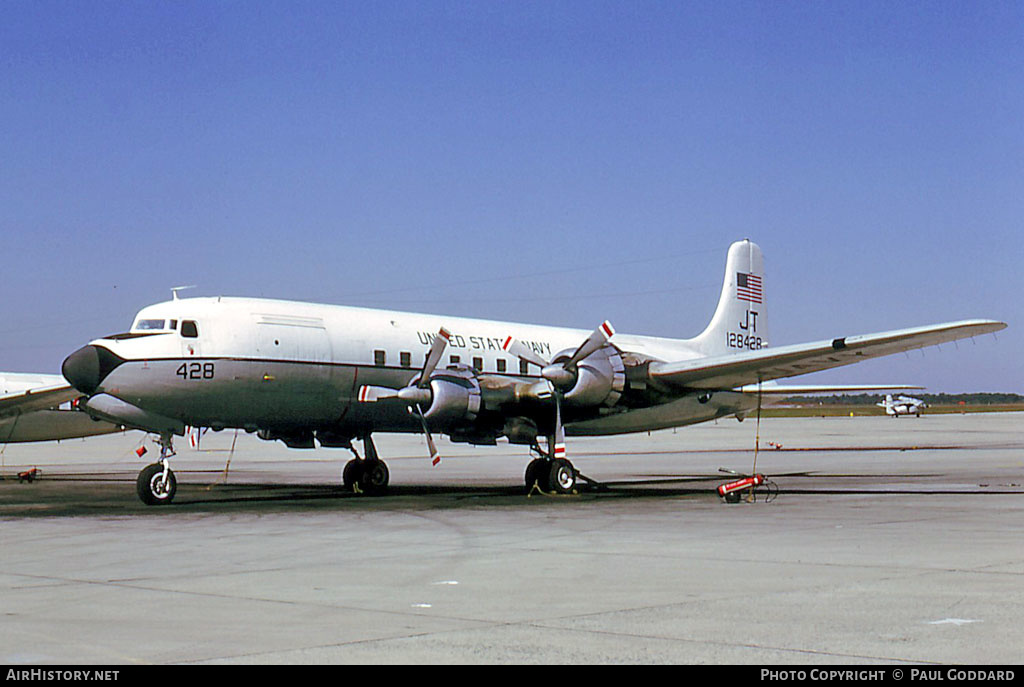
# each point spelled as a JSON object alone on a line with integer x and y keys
{"x": 550, "y": 474}
{"x": 367, "y": 475}
{"x": 156, "y": 483}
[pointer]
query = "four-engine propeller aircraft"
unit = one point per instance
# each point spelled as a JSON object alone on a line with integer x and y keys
{"x": 902, "y": 405}
{"x": 306, "y": 373}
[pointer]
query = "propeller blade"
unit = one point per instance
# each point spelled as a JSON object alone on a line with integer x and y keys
{"x": 435, "y": 457}
{"x": 599, "y": 337}
{"x": 523, "y": 352}
{"x": 433, "y": 357}
{"x": 372, "y": 394}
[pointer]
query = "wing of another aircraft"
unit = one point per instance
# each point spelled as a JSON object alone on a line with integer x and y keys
{"x": 29, "y": 410}
{"x": 37, "y": 398}
{"x": 740, "y": 369}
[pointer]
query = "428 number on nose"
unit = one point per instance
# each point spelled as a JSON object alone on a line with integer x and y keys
{"x": 195, "y": 371}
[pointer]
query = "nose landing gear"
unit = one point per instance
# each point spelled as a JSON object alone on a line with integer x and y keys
{"x": 156, "y": 484}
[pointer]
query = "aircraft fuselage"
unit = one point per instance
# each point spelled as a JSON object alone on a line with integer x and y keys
{"x": 284, "y": 366}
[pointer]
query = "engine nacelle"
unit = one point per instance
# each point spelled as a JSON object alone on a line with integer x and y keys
{"x": 455, "y": 397}
{"x": 600, "y": 378}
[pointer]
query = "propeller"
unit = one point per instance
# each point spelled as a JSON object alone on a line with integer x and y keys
{"x": 561, "y": 376}
{"x": 415, "y": 394}
{"x": 437, "y": 347}
{"x": 435, "y": 457}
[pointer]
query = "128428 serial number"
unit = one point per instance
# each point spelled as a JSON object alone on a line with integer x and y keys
{"x": 744, "y": 341}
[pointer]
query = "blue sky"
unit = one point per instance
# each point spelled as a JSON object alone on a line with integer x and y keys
{"x": 552, "y": 162}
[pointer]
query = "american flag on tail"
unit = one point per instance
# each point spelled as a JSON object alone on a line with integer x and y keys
{"x": 748, "y": 288}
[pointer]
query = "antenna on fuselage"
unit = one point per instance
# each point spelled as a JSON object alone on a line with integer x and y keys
{"x": 176, "y": 289}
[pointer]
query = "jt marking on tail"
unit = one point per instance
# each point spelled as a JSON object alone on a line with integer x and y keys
{"x": 751, "y": 323}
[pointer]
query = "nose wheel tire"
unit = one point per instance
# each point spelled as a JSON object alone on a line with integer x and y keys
{"x": 152, "y": 488}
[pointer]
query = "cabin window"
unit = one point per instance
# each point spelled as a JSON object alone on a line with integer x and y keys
{"x": 149, "y": 325}
{"x": 379, "y": 358}
{"x": 174, "y": 324}
{"x": 478, "y": 363}
{"x": 405, "y": 359}
{"x": 501, "y": 365}
{"x": 454, "y": 359}
{"x": 524, "y": 367}
{"x": 189, "y": 329}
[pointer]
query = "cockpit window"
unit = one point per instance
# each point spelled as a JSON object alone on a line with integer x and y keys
{"x": 149, "y": 325}
{"x": 189, "y": 329}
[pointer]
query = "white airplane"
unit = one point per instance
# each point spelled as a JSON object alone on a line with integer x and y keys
{"x": 902, "y": 405}
{"x": 38, "y": 407}
{"x": 306, "y": 373}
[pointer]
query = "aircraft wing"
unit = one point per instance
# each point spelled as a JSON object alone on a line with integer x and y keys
{"x": 39, "y": 398}
{"x": 740, "y": 369}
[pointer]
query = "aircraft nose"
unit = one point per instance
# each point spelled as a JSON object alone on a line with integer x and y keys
{"x": 86, "y": 368}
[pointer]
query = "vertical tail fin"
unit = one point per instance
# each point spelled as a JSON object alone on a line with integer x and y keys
{"x": 739, "y": 322}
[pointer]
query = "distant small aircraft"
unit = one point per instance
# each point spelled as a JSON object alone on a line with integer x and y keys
{"x": 902, "y": 405}
{"x": 307, "y": 373}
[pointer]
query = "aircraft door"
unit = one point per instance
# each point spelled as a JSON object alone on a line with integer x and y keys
{"x": 295, "y": 370}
